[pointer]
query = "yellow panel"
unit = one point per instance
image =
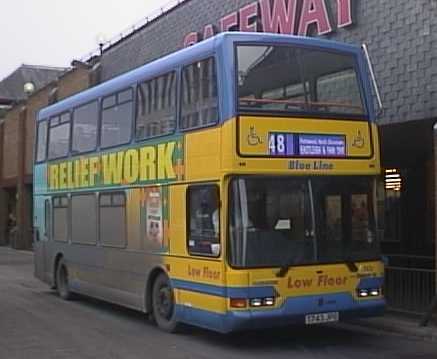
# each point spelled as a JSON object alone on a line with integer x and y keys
{"x": 134, "y": 197}
{"x": 177, "y": 220}
{"x": 202, "y": 150}
{"x": 254, "y": 133}
{"x": 308, "y": 280}
{"x": 237, "y": 278}
{"x": 229, "y": 154}
{"x": 199, "y": 270}
{"x": 201, "y": 301}
{"x": 255, "y": 161}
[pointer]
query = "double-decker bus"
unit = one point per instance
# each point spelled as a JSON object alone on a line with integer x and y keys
{"x": 229, "y": 185}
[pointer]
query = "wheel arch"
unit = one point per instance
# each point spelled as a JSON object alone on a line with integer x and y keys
{"x": 58, "y": 257}
{"x": 153, "y": 274}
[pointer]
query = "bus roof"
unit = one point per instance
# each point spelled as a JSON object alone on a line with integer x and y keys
{"x": 221, "y": 44}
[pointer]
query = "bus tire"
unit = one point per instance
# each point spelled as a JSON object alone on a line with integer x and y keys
{"x": 62, "y": 282}
{"x": 163, "y": 304}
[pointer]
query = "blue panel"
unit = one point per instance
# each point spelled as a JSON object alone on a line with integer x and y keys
{"x": 222, "y": 46}
{"x": 199, "y": 287}
{"x": 371, "y": 283}
{"x": 227, "y": 292}
{"x": 322, "y": 145}
{"x": 292, "y": 312}
{"x": 40, "y": 178}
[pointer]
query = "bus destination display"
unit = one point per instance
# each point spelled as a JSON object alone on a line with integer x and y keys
{"x": 306, "y": 145}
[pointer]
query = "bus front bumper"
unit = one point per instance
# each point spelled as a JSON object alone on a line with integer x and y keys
{"x": 293, "y": 311}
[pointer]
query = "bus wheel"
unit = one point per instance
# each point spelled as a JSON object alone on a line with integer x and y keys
{"x": 62, "y": 283}
{"x": 164, "y": 304}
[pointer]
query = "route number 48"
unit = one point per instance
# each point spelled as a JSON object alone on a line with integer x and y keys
{"x": 277, "y": 144}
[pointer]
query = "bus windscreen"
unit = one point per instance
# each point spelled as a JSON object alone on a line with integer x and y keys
{"x": 295, "y": 221}
{"x": 286, "y": 79}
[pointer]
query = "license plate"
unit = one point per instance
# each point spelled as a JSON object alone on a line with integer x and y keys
{"x": 321, "y": 318}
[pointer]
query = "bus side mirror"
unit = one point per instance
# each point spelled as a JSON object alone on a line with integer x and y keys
{"x": 215, "y": 249}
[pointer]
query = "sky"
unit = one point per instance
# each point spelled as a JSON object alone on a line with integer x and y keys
{"x": 54, "y": 32}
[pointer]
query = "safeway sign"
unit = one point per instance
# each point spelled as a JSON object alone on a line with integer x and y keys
{"x": 295, "y": 17}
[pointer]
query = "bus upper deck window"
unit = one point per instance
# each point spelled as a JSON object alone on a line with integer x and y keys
{"x": 85, "y": 120}
{"x": 156, "y": 107}
{"x": 199, "y": 95}
{"x": 117, "y": 117}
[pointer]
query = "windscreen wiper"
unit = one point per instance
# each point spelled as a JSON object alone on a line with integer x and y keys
{"x": 351, "y": 265}
{"x": 284, "y": 269}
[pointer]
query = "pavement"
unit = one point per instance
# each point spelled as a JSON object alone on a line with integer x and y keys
{"x": 399, "y": 324}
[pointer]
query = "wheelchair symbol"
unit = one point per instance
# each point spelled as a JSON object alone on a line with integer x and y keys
{"x": 358, "y": 141}
{"x": 252, "y": 138}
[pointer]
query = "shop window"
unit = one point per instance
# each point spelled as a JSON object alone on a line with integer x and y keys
{"x": 117, "y": 119}
{"x": 59, "y": 136}
{"x": 60, "y": 219}
{"x": 156, "y": 107}
{"x": 112, "y": 219}
{"x": 83, "y": 219}
{"x": 199, "y": 95}
{"x": 41, "y": 146}
{"x": 203, "y": 220}
{"x": 85, "y": 119}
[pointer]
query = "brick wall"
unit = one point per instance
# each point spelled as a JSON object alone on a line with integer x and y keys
{"x": 73, "y": 82}
{"x": 69, "y": 84}
{"x": 10, "y": 144}
{"x": 33, "y": 105}
{"x": 401, "y": 35}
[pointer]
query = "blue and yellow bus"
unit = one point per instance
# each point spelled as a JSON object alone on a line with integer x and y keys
{"x": 229, "y": 185}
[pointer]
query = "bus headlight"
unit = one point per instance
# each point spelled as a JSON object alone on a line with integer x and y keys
{"x": 256, "y": 302}
{"x": 262, "y": 302}
{"x": 370, "y": 292}
{"x": 363, "y": 293}
{"x": 269, "y": 302}
{"x": 375, "y": 292}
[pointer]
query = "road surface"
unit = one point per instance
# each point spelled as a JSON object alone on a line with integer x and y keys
{"x": 36, "y": 323}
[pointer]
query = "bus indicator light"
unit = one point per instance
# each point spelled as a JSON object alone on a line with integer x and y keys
{"x": 238, "y": 303}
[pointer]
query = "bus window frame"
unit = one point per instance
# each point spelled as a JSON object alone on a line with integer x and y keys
{"x": 366, "y": 116}
{"x": 52, "y": 217}
{"x": 192, "y": 254}
{"x": 101, "y": 99}
{"x": 218, "y": 88}
{"x": 47, "y": 219}
{"x": 59, "y": 115}
{"x": 96, "y": 243}
{"x": 98, "y": 101}
{"x": 46, "y": 150}
{"x": 136, "y": 105}
{"x": 110, "y": 193}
